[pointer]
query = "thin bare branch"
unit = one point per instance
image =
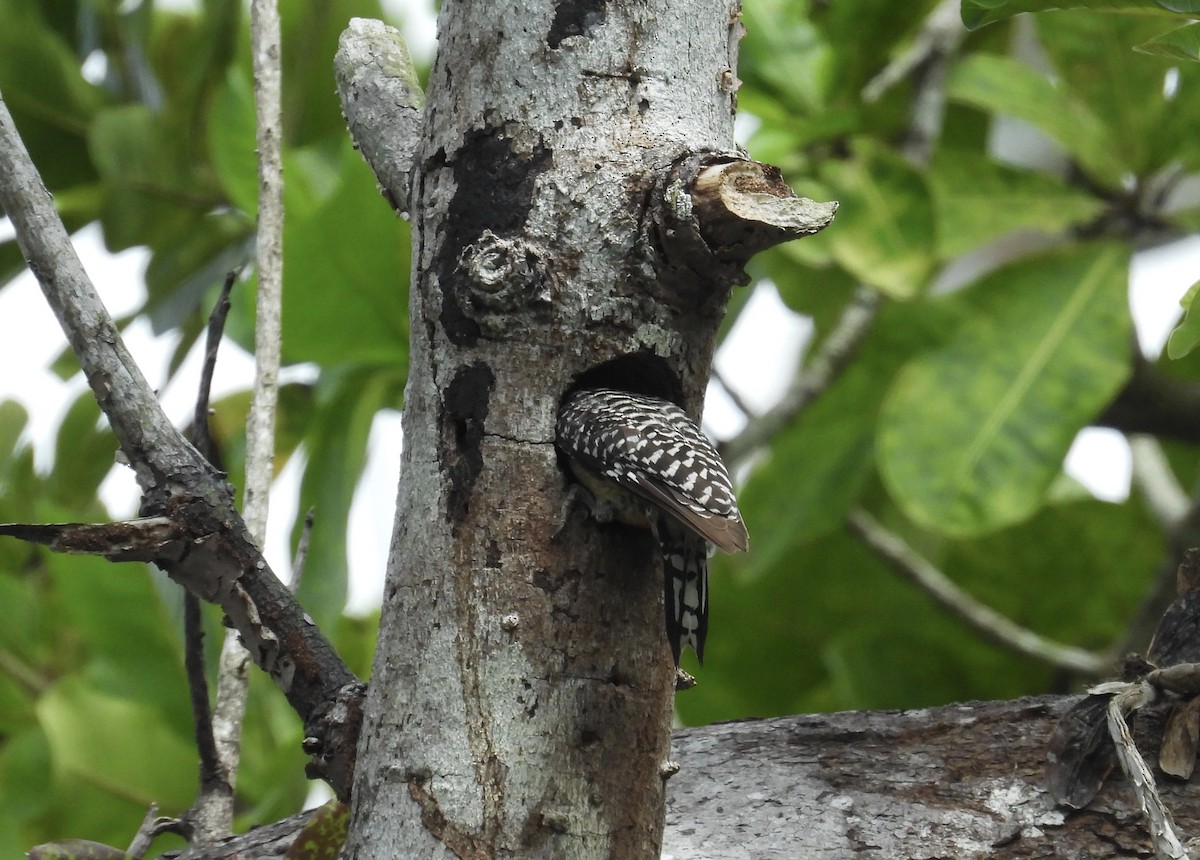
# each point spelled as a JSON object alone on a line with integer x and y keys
{"x": 732, "y": 392}
{"x": 906, "y": 561}
{"x": 232, "y": 674}
{"x": 941, "y": 31}
{"x": 201, "y": 434}
{"x": 1156, "y": 482}
{"x": 212, "y": 775}
{"x": 927, "y": 60}
{"x": 153, "y": 826}
{"x": 211, "y": 816}
{"x": 301, "y": 555}
{"x": 268, "y": 337}
{"x": 216, "y": 788}
{"x": 836, "y": 352}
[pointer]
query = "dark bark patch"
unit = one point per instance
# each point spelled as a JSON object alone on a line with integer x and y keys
{"x": 494, "y": 559}
{"x": 494, "y": 192}
{"x": 550, "y": 584}
{"x": 576, "y": 18}
{"x": 465, "y": 411}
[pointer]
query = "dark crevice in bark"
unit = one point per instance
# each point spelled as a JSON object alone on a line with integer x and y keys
{"x": 576, "y": 18}
{"x": 640, "y": 372}
{"x": 466, "y": 409}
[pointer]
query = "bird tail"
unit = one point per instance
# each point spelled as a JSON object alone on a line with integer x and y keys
{"x": 685, "y": 580}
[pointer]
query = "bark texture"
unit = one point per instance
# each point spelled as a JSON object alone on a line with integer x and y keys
{"x": 521, "y": 696}
{"x": 962, "y": 781}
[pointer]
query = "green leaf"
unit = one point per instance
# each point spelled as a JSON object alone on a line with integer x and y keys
{"x": 907, "y": 667}
{"x": 151, "y": 197}
{"x": 1182, "y": 43}
{"x": 977, "y": 13}
{"x": 1187, "y": 334}
{"x": 337, "y": 449}
{"x": 884, "y": 233}
{"x": 84, "y": 453}
{"x": 132, "y": 641}
{"x": 346, "y": 266}
{"x": 25, "y": 760}
{"x": 784, "y": 55}
{"x": 12, "y": 840}
{"x": 231, "y": 141}
{"x": 310, "y": 38}
{"x": 50, "y": 102}
{"x": 183, "y": 272}
{"x": 109, "y": 742}
{"x": 973, "y": 434}
{"x": 831, "y": 446}
{"x": 1094, "y": 62}
{"x": 824, "y": 605}
{"x": 832, "y": 442}
{"x": 1088, "y": 547}
{"x": 12, "y": 262}
{"x": 1006, "y": 86}
{"x": 16, "y": 703}
{"x": 13, "y": 419}
{"x": 979, "y": 201}
{"x": 877, "y": 30}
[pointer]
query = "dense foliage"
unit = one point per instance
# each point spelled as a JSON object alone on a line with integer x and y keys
{"x": 1005, "y": 329}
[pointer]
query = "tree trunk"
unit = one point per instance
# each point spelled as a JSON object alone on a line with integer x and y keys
{"x": 521, "y": 696}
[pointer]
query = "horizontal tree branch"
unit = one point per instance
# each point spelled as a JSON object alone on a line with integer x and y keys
{"x": 962, "y": 781}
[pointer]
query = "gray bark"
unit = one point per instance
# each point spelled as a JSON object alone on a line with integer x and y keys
{"x": 521, "y": 696}
{"x": 962, "y": 781}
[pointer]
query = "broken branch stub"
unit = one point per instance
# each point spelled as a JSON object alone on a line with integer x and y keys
{"x": 382, "y": 102}
{"x": 720, "y": 211}
{"x": 744, "y": 207}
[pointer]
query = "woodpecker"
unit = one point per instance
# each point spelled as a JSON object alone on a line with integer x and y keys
{"x": 644, "y": 462}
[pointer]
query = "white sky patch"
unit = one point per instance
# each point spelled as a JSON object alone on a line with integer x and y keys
{"x": 418, "y": 23}
{"x": 1100, "y": 459}
{"x": 372, "y": 514}
{"x": 1158, "y": 278}
{"x": 757, "y": 359}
